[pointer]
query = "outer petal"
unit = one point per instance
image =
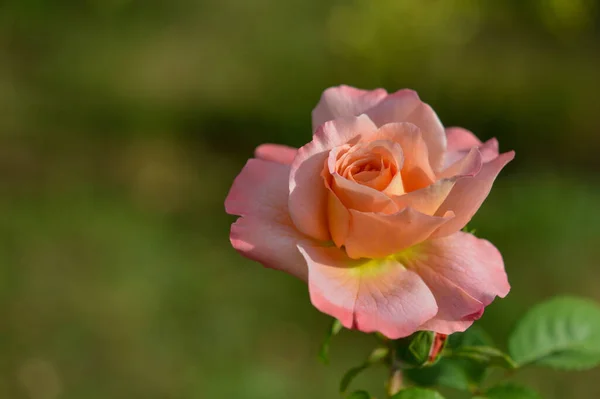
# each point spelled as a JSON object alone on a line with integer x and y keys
{"x": 341, "y": 101}
{"x": 276, "y": 153}
{"x": 374, "y": 295}
{"x": 308, "y": 195}
{"x": 460, "y": 141}
{"x": 265, "y": 232}
{"x": 464, "y": 273}
{"x": 469, "y": 193}
{"x": 489, "y": 150}
{"x": 406, "y": 106}
{"x": 376, "y": 235}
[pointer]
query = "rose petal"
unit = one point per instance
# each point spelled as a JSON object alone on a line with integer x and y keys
{"x": 406, "y": 106}
{"x": 416, "y": 170}
{"x": 308, "y": 196}
{"x": 338, "y": 218}
{"x": 265, "y": 232}
{"x": 342, "y": 101}
{"x": 396, "y": 186}
{"x": 464, "y": 273}
{"x": 376, "y": 235}
{"x": 468, "y": 194}
{"x": 369, "y": 295}
{"x": 276, "y": 153}
{"x": 468, "y": 166}
{"x": 363, "y": 198}
{"x": 460, "y": 141}
{"x": 428, "y": 200}
{"x": 359, "y": 196}
{"x": 383, "y": 158}
{"x": 489, "y": 150}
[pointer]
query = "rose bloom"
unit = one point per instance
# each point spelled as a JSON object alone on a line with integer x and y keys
{"x": 370, "y": 213}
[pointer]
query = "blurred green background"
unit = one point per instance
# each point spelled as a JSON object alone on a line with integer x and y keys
{"x": 124, "y": 122}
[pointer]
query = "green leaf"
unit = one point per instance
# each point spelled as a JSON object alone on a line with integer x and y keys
{"x": 334, "y": 329}
{"x": 486, "y": 355}
{"x": 417, "y": 393}
{"x": 509, "y": 391}
{"x": 571, "y": 360}
{"x": 421, "y": 346}
{"x": 463, "y": 373}
{"x": 360, "y": 395}
{"x": 378, "y": 355}
{"x": 414, "y": 350}
{"x": 474, "y": 336}
{"x": 460, "y": 373}
{"x": 562, "y": 333}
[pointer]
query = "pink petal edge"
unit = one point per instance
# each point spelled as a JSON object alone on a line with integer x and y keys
{"x": 265, "y": 232}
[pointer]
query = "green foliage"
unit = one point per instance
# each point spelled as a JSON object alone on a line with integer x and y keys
{"x": 377, "y": 356}
{"x": 474, "y": 336}
{"x": 509, "y": 391}
{"x": 334, "y": 329}
{"x": 360, "y": 395}
{"x": 414, "y": 350}
{"x": 417, "y": 393}
{"x": 458, "y": 372}
{"x": 486, "y": 355}
{"x": 562, "y": 333}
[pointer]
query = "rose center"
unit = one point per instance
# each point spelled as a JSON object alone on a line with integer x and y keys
{"x": 373, "y": 164}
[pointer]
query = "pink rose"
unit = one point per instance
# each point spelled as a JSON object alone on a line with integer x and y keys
{"x": 370, "y": 214}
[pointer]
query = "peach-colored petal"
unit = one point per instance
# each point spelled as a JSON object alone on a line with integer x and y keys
{"x": 368, "y": 295}
{"x": 464, "y": 273}
{"x": 341, "y": 101}
{"x": 396, "y": 186}
{"x": 376, "y": 235}
{"x": 373, "y": 164}
{"x": 338, "y": 218}
{"x": 363, "y": 198}
{"x": 265, "y": 232}
{"x": 460, "y": 141}
{"x": 427, "y": 200}
{"x": 469, "y": 165}
{"x": 276, "y": 153}
{"x": 406, "y": 106}
{"x": 468, "y": 194}
{"x": 308, "y": 195}
{"x": 416, "y": 170}
{"x": 352, "y": 193}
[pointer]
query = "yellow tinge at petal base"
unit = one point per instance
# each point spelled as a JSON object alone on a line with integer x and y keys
{"x": 376, "y": 267}
{"x": 369, "y": 295}
{"x": 441, "y": 285}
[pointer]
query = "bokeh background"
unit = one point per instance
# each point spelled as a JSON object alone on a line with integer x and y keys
{"x": 124, "y": 122}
